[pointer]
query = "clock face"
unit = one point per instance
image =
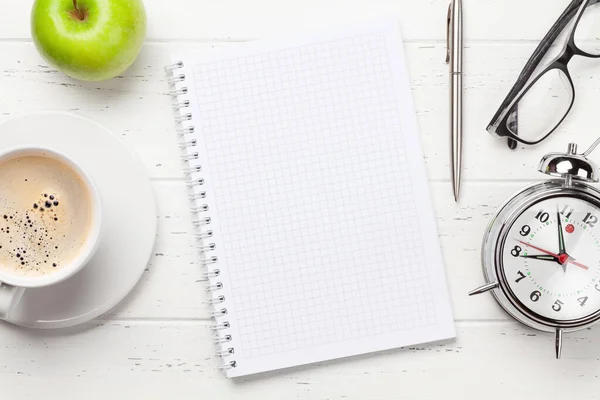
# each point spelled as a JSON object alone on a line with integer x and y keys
{"x": 551, "y": 258}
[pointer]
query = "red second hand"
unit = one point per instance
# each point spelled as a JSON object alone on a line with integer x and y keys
{"x": 539, "y": 249}
{"x": 578, "y": 264}
{"x": 570, "y": 260}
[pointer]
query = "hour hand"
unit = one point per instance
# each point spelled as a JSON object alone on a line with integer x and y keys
{"x": 543, "y": 257}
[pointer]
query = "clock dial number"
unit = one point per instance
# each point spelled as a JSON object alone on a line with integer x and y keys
{"x": 582, "y": 301}
{"x": 590, "y": 219}
{"x": 566, "y": 211}
{"x": 525, "y": 230}
{"x": 542, "y": 216}
{"x": 557, "y": 306}
{"x": 516, "y": 251}
{"x": 535, "y": 296}
{"x": 551, "y": 258}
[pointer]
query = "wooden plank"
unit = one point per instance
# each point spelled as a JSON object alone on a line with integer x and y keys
{"x": 461, "y": 228}
{"x": 155, "y": 360}
{"x": 138, "y": 109}
{"x": 137, "y": 106}
{"x": 491, "y": 70}
{"x": 171, "y": 286}
{"x": 236, "y": 19}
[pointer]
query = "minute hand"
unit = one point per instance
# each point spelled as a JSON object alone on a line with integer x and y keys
{"x": 561, "y": 238}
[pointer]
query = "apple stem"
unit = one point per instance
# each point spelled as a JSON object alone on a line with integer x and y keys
{"x": 78, "y": 11}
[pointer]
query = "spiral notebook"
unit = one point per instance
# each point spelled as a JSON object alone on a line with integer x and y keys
{"x": 310, "y": 198}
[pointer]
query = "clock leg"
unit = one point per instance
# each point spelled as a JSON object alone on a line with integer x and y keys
{"x": 558, "y": 343}
{"x": 484, "y": 288}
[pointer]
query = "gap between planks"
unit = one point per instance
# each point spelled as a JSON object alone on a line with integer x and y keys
{"x": 477, "y": 181}
{"x": 207, "y": 321}
{"x": 412, "y": 42}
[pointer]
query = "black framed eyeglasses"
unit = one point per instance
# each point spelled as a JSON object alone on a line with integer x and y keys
{"x": 542, "y": 98}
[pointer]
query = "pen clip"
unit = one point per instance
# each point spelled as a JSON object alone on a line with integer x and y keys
{"x": 448, "y": 23}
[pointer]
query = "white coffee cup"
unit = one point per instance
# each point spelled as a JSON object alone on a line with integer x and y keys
{"x": 13, "y": 286}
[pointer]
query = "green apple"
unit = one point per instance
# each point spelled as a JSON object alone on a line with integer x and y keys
{"x": 90, "y": 40}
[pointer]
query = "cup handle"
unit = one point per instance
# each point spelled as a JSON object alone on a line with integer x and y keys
{"x": 10, "y": 296}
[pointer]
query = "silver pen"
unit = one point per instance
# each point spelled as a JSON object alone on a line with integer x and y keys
{"x": 454, "y": 57}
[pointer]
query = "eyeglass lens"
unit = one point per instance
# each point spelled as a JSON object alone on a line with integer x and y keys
{"x": 587, "y": 33}
{"x": 542, "y": 107}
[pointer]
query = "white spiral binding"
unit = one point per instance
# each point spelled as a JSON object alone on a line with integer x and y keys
{"x": 196, "y": 182}
{"x": 219, "y": 313}
{"x": 215, "y": 300}
{"x": 203, "y": 235}
{"x": 188, "y": 143}
{"x": 201, "y": 209}
{"x": 192, "y": 170}
{"x": 226, "y": 352}
{"x": 218, "y": 327}
{"x": 204, "y": 249}
{"x": 201, "y": 223}
{"x": 208, "y": 261}
{"x": 196, "y": 196}
{"x": 213, "y": 287}
{"x": 222, "y": 339}
{"x": 185, "y": 131}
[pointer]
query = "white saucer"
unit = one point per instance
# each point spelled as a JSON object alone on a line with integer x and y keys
{"x": 129, "y": 219}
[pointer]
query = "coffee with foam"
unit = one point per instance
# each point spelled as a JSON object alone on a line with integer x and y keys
{"x": 46, "y": 213}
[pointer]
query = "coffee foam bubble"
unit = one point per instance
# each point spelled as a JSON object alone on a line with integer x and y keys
{"x": 45, "y": 215}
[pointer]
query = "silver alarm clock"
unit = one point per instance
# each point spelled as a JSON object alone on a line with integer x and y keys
{"x": 541, "y": 250}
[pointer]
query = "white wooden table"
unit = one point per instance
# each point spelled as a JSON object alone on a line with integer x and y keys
{"x": 156, "y": 344}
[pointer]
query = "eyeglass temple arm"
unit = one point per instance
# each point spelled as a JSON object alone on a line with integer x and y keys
{"x": 538, "y": 55}
{"x": 592, "y": 148}
{"x": 544, "y": 45}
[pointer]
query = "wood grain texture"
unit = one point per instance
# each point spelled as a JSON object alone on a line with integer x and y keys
{"x": 240, "y": 20}
{"x": 171, "y": 287}
{"x": 137, "y": 105}
{"x": 156, "y": 343}
{"x": 156, "y": 360}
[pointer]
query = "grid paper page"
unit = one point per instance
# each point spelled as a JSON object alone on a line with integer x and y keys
{"x": 321, "y": 213}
